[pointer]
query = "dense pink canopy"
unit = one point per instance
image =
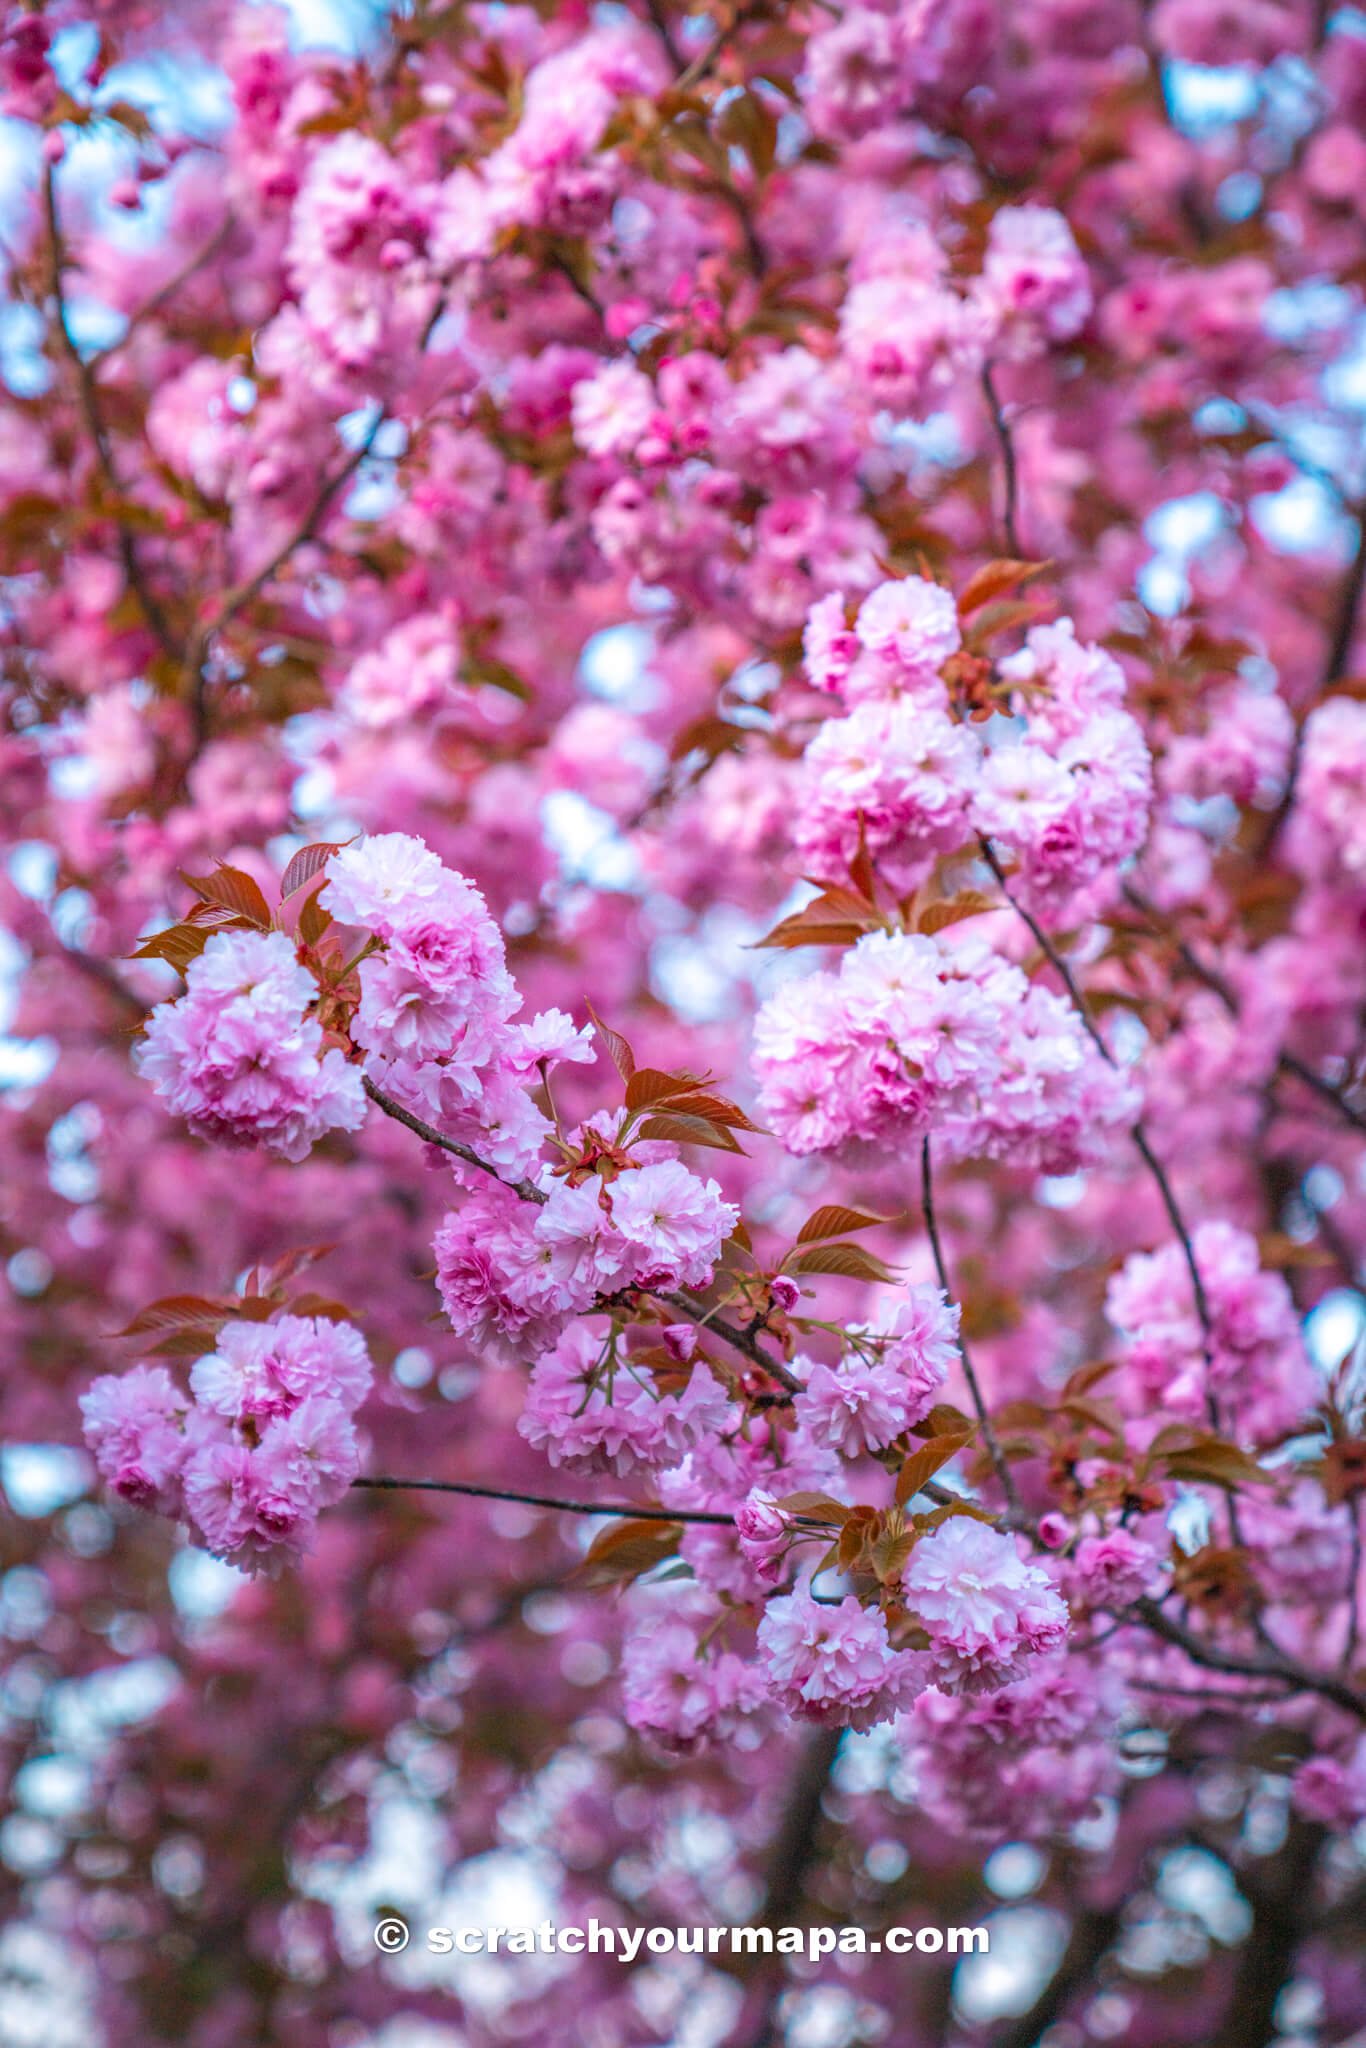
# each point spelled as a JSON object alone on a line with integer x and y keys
{"x": 685, "y": 781}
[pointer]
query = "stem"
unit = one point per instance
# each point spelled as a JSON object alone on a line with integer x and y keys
{"x": 167, "y": 291}
{"x": 1093, "y": 1931}
{"x": 1289, "y": 1062}
{"x": 525, "y": 1189}
{"x": 90, "y": 410}
{"x": 1212, "y": 1658}
{"x": 989, "y": 1436}
{"x": 542, "y": 1500}
{"x": 1339, "y": 653}
{"x": 1353, "y": 1586}
{"x": 1140, "y": 1136}
{"x": 794, "y": 1852}
{"x": 692, "y": 1310}
{"x": 659, "y": 21}
{"x": 1010, "y": 509}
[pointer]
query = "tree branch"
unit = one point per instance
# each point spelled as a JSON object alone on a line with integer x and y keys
{"x": 1339, "y": 653}
{"x": 151, "y": 606}
{"x": 1010, "y": 508}
{"x": 692, "y": 1310}
{"x": 794, "y": 1853}
{"x": 1140, "y": 1136}
{"x": 543, "y": 1500}
{"x": 1094, "y": 1928}
{"x": 1213, "y": 1658}
{"x": 1210, "y": 979}
{"x": 989, "y": 1436}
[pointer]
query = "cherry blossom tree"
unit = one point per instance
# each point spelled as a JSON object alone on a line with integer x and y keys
{"x": 683, "y": 1191}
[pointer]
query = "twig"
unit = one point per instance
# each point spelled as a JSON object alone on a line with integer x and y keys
{"x": 1140, "y": 1136}
{"x": 251, "y": 586}
{"x": 989, "y": 1437}
{"x": 1210, "y": 979}
{"x": 1213, "y": 1658}
{"x": 1353, "y": 1586}
{"x": 659, "y": 21}
{"x": 1009, "y": 511}
{"x": 796, "y": 1840}
{"x": 1093, "y": 1931}
{"x": 543, "y": 1500}
{"x": 692, "y": 1310}
{"x": 165, "y": 292}
{"x": 90, "y": 411}
{"x": 526, "y": 1190}
{"x": 1339, "y": 652}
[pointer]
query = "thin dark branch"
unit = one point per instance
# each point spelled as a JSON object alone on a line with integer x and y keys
{"x": 251, "y": 586}
{"x": 542, "y": 1500}
{"x": 1339, "y": 654}
{"x": 1140, "y": 1136}
{"x": 659, "y": 21}
{"x": 1353, "y": 1586}
{"x": 1009, "y": 468}
{"x": 1210, "y": 979}
{"x": 1094, "y": 1929}
{"x": 688, "y": 1307}
{"x": 795, "y": 1843}
{"x": 166, "y": 292}
{"x": 1280, "y": 1894}
{"x": 152, "y": 608}
{"x": 989, "y": 1436}
{"x": 1214, "y": 1658}
{"x": 525, "y": 1189}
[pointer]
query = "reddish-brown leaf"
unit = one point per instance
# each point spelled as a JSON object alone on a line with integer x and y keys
{"x": 921, "y": 1466}
{"x": 950, "y": 909}
{"x": 623, "y": 1059}
{"x": 627, "y": 1549}
{"x": 307, "y": 862}
{"x": 179, "y": 944}
{"x": 847, "y": 1261}
{"x": 833, "y": 1220}
{"x": 690, "y": 1130}
{"x": 232, "y": 889}
{"x": 313, "y": 919}
{"x": 994, "y": 579}
{"x": 717, "y": 1109}
{"x": 814, "y": 1507}
{"x": 649, "y": 1084}
{"x": 175, "y": 1312}
{"x": 835, "y": 918}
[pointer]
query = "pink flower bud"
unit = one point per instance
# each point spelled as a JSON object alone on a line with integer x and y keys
{"x": 680, "y": 1341}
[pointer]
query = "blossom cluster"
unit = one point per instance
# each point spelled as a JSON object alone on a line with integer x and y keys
{"x": 915, "y": 1035}
{"x": 1062, "y": 784}
{"x": 263, "y": 1440}
{"x": 240, "y": 1055}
